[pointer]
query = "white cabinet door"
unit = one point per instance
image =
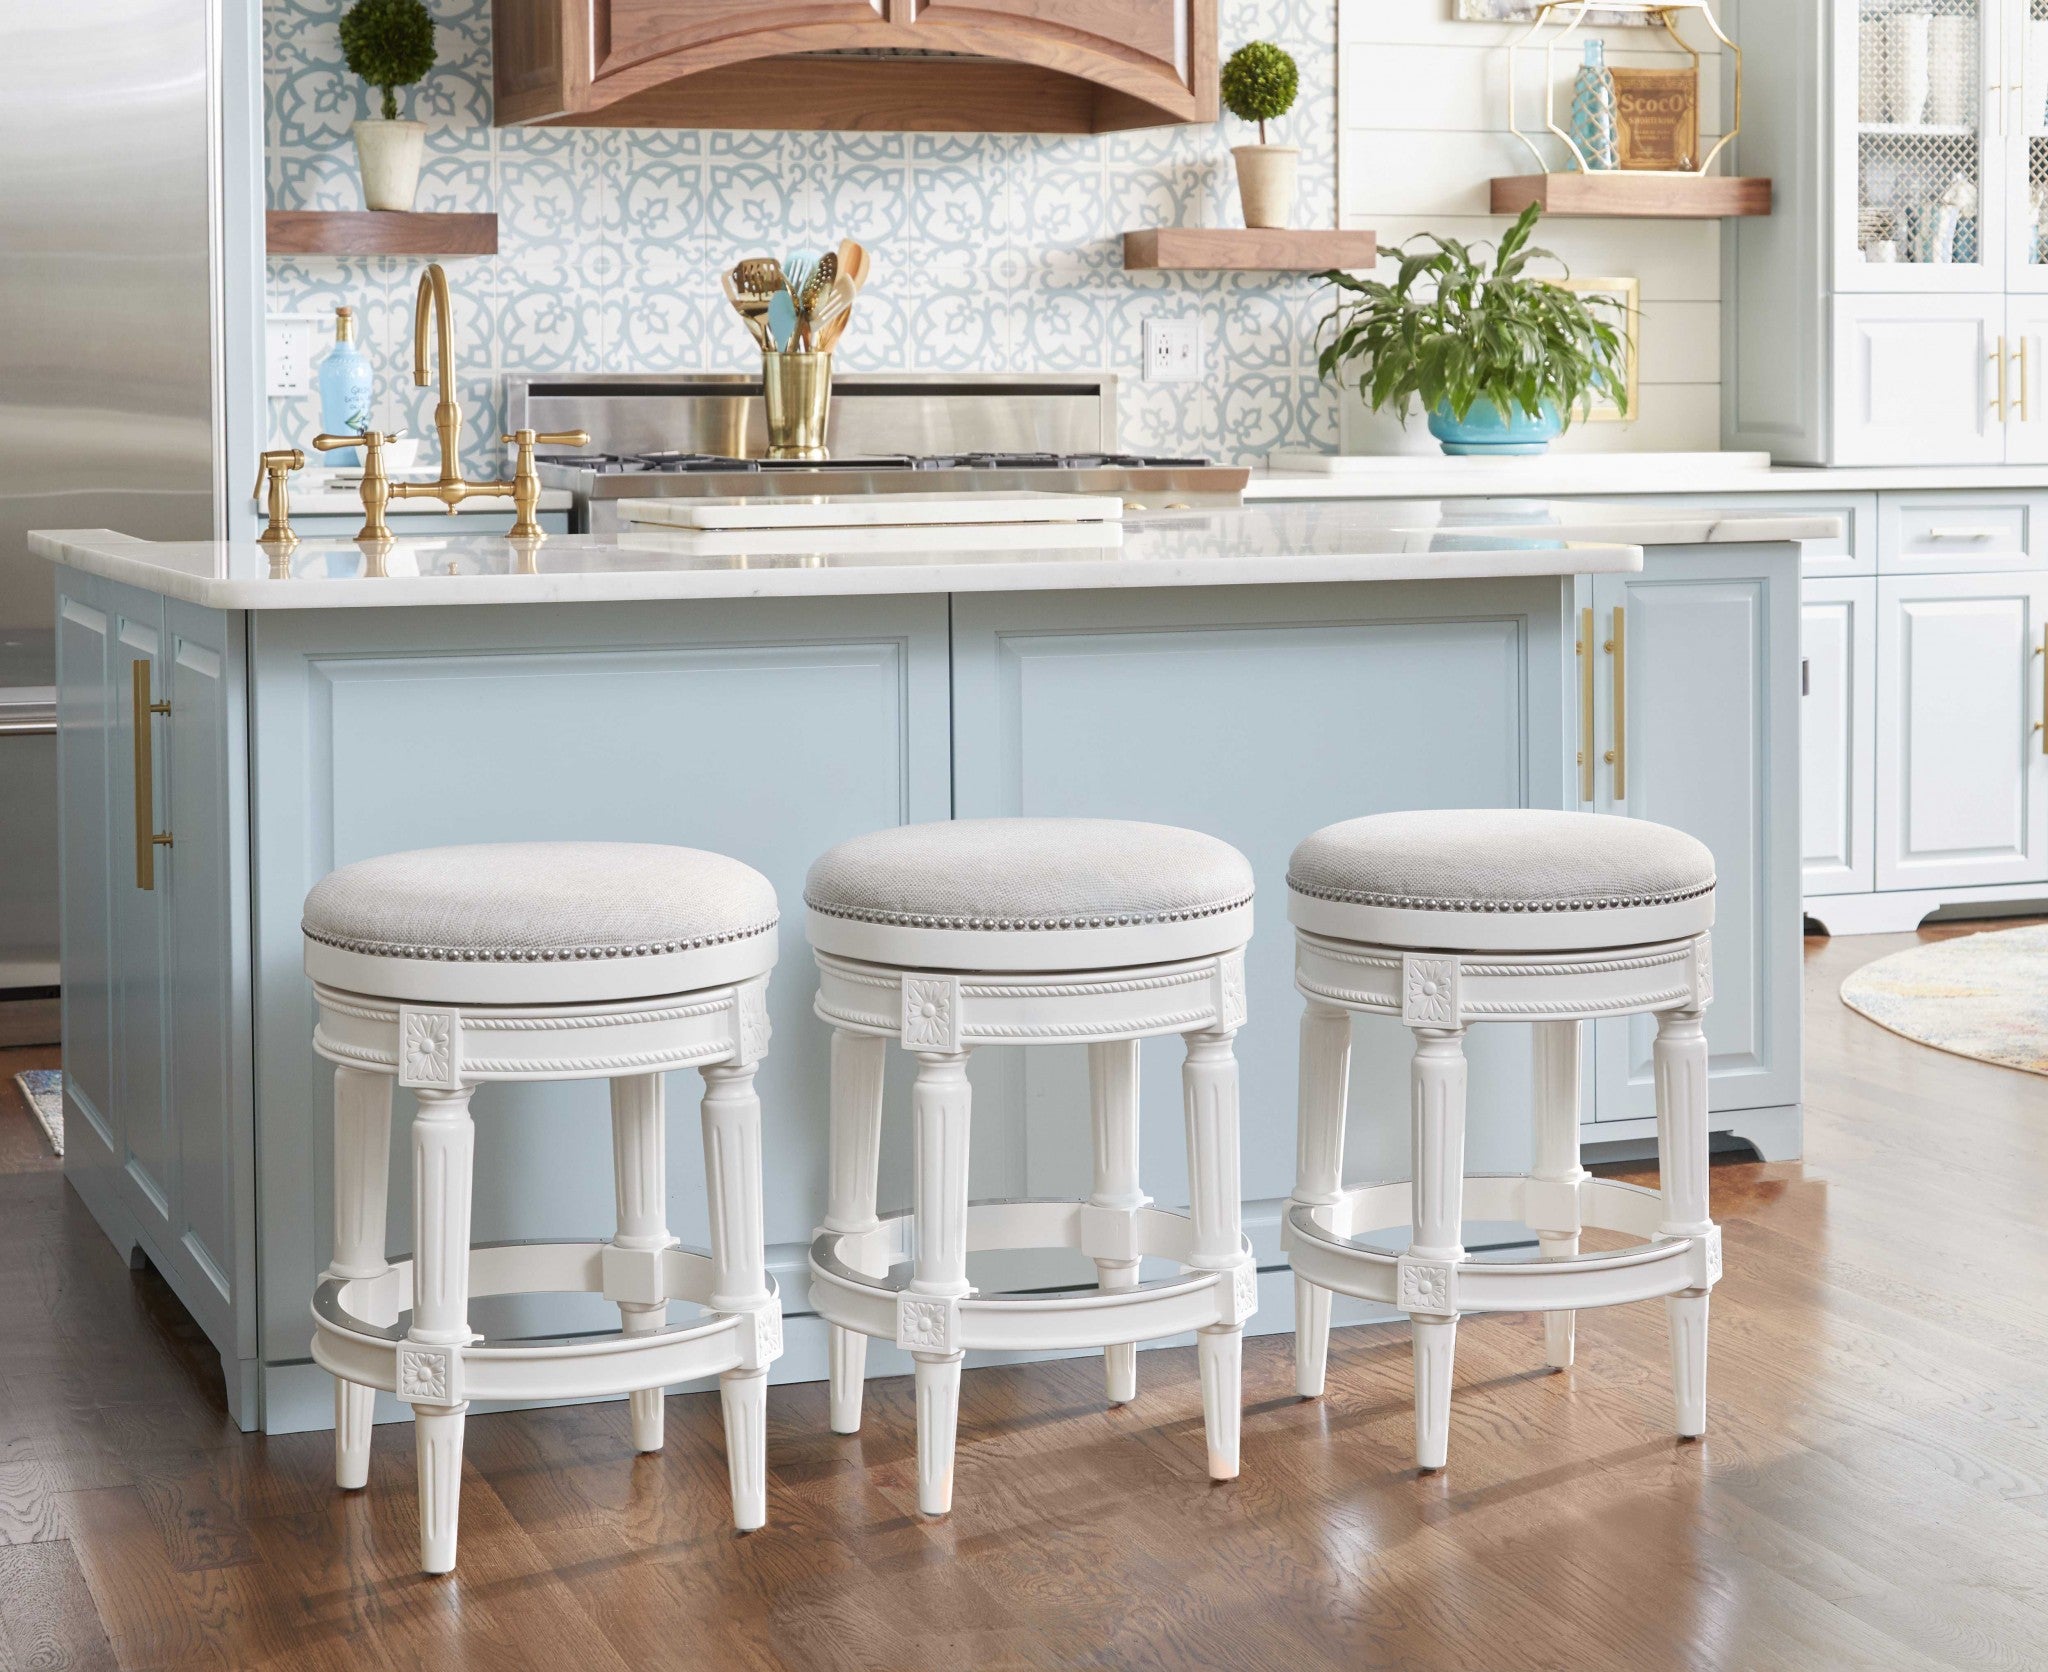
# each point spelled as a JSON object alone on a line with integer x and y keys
{"x": 2025, "y": 136}
{"x": 1917, "y": 380}
{"x": 1837, "y": 735}
{"x": 1923, "y": 161}
{"x": 1962, "y": 785}
{"x": 2026, "y": 347}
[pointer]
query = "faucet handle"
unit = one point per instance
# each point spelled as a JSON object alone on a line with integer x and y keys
{"x": 526, "y": 475}
{"x": 362, "y": 438}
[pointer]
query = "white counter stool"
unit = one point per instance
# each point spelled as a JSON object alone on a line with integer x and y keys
{"x": 443, "y": 969}
{"x": 1029, "y": 932}
{"x": 1449, "y": 918}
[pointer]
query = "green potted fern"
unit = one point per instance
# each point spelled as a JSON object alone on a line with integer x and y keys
{"x": 1259, "y": 84}
{"x": 1501, "y": 361}
{"x": 390, "y": 44}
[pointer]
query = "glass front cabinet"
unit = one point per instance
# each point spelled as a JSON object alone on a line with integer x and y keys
{"x": 1940, "y": 231}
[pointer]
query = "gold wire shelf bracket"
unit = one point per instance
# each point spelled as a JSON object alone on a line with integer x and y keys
{"x": 1666, "y": 14}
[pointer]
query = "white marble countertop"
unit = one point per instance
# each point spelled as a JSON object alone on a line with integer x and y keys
{"x": 1296, "y": 476}
{"x": 1258, "y": 544}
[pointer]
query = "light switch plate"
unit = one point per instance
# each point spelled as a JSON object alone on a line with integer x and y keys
{"x": 288, "y": 351}
{"x": 1173, "y": 350}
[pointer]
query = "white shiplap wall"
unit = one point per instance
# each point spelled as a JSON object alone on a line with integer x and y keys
{"x": 1422, "y": 130}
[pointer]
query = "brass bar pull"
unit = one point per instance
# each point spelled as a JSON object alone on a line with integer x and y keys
{"x": 1998, "y": 399}
{"x": 2041, "y": 725}
{"x": 147, "y": 837}
{"x": 1586, "y": 704}
{"x": 1617, "y": 757}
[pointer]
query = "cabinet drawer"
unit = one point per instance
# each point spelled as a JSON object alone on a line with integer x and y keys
{"x": 1957, "y": 533}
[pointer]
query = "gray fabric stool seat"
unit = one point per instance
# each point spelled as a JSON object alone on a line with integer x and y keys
{"x": 1029, "y": 894}
{"x": 553, "y": 922}
{"x": 1501, "y": 880}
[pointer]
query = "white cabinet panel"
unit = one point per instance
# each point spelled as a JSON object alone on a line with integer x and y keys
{"x": 1837, "y": 735}
{"x": 1916, "y": 380}
{"x": 1962, "y": 787}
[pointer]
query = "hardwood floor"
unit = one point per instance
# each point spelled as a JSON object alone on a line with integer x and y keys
{"x": 1873, "y": 1491}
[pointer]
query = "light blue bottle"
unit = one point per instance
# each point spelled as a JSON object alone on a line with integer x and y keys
{"x": 347, "y": 386}
{"x": 1593, "y": 110}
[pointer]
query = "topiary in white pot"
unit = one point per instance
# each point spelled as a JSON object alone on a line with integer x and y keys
{"x": 390, "y": 44}
{"x": 1259, "y": 85}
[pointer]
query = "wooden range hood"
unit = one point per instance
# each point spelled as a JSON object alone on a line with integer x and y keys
{"x": 948, "y": 66}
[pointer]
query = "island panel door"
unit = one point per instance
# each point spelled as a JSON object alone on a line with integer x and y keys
{"x": 1698, "y": 658}
{"x": 1837, "y": 735}
{"x": 1258, "y": 715}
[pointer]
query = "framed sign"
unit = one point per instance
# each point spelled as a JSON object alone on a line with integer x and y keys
{"x": 1657, "y": 118}
{"x": 1619, "y": 303}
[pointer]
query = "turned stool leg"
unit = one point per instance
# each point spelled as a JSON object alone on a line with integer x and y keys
{"x": 739, "y": 1271}
{"x": 1557, "y": 1163}
{"x": 1209, "y": 1090}
{"x": 854, "y": 1144}
{"x": 362, "y": 1164}
{"x": 1438, "y": 1089}
{"x": 941, "y": 1104}
{"x": 443, "y": 1150}
{"x": 1680, "y": 1065}
{"x": 640, "y": 1180}
{"x": 1113, "y": 1099}
{"x": 1319, "y": 1171}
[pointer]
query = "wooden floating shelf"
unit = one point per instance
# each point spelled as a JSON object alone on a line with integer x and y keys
{"x": 1159, "y": 249}
{"x": 1641, "y": 193}
{"x": 378, "y": 232}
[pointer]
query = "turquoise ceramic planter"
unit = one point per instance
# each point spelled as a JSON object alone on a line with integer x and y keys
{"x": 1487, "y": 432}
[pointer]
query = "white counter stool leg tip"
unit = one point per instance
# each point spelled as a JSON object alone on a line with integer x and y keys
{"x": 1030, "y": 932}
{"x": 1447, "y": 919}
{"x": 555, "y": 961}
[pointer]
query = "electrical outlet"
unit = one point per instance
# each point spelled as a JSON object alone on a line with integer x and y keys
{"x": 288, "y": 352}
{"x": 1173, "y": 350}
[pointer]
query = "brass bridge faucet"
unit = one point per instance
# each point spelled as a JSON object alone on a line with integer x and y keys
{"x": 449, "y": 487}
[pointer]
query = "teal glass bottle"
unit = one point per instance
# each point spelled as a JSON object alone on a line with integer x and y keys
{"x": 1593, "y": 110}
{"x": 346, "y": 387}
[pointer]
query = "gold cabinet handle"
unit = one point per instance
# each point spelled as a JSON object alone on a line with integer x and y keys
{"x": 1586, "y": 704}
{"x": 147, "y": 837}
{"x": 1998, "y": 400}
{"x": 2041, "y": 725}
{"x": 1617, "y": 757}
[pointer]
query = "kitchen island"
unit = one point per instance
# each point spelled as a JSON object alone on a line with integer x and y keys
{"x": 1255, "y": 673}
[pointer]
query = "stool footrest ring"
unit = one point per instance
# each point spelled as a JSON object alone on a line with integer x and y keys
{"x": 378, "y": 1355}
{"x": 1320, "y": 1240}
{"x": 860, "y": 1280}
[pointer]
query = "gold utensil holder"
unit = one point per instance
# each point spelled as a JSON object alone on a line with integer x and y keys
{"x": 798, "y": 391}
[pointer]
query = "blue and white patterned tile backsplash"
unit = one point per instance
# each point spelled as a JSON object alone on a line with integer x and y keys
{"x": 990, "y": 252}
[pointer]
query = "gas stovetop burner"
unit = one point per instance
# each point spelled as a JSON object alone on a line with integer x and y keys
{"x": 707, "y": 464}
{"x": 1051, "y": 461}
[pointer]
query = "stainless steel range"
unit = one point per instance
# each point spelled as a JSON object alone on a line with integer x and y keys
{"x": 707, "y": 436}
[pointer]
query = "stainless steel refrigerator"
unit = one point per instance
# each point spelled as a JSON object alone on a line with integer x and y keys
{"x": 131, "y": 289}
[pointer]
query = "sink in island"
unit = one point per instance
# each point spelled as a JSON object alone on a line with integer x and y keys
{"x": 233, "y": 725}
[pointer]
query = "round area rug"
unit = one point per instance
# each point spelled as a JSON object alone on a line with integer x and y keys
{"x": 1982, "y": 996}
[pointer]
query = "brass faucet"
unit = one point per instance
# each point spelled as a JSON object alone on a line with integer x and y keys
{"x": 449, "y": 487}
{"x": 276, "y": 466}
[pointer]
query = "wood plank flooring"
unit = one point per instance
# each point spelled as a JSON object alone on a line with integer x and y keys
{"x": 1873, "y": 1492}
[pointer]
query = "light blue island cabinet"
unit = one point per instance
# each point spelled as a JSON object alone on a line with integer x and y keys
{"x": 1254, "y": 673}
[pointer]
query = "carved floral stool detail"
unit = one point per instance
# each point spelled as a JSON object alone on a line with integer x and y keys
{"x": 449, "y": 968}
{"x": 1030, "y": 932}
{"x": 1555, "y": 919}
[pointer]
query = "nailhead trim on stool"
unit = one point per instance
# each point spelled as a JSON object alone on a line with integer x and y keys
{"x": 1153, "y": 921}
{"x": 691, "y": 998}
{"x": 1499, "y": 880}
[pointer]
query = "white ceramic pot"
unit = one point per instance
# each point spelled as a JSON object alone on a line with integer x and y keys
{"x": 1265, "y": 182}
{"x": 388, "y": 153}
